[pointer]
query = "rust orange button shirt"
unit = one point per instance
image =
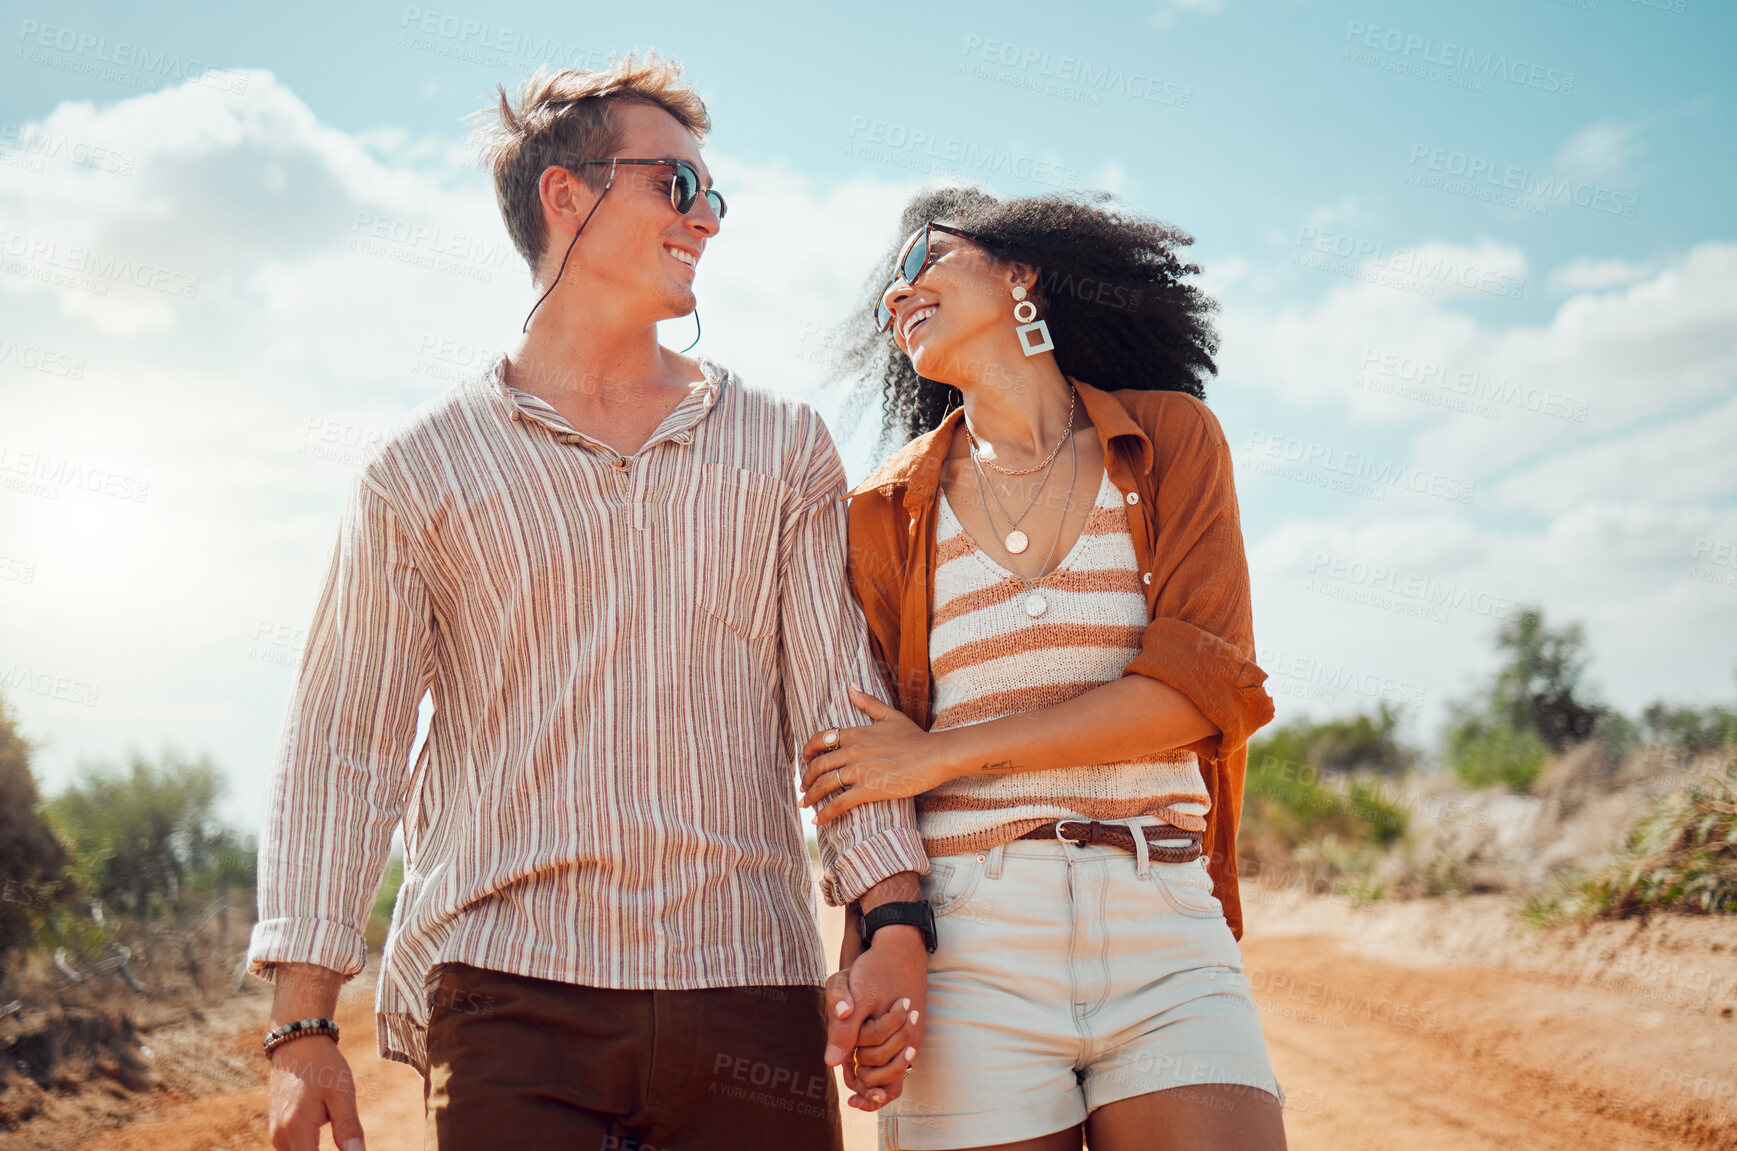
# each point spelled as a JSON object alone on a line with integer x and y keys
{"x": 1167, "y": 454}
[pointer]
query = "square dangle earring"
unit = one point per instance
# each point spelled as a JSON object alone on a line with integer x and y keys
{"x": 1033, "y": 332}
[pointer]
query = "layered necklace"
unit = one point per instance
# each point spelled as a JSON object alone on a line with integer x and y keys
{"x": 1015, "y": 540}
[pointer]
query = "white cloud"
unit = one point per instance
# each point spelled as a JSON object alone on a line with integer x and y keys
{"x": 1167, "y": 12}
{"x": 1601, "y": 450}
{"x": 340, "y": 278}
{"x": 1111, "y": 177}
{"x": 1593, "y": 274}
{"x": 1601, "y": 151}
{"x": 1693, "y": 454}
{"x": 1347, "y": 208}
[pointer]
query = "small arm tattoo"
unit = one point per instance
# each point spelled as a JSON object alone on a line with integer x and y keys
{"x": 998, "y": 765}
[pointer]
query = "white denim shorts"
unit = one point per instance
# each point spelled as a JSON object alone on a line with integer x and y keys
{"x": 1065, "y": 980}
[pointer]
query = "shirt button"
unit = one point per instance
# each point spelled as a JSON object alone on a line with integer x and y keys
{"x": 620, "y": 463}
{"x": 684, "y": 437}
{"x": 1133, "y": 497}
{"x": 1146, "y": 579}
{"x": 513, "y": 415}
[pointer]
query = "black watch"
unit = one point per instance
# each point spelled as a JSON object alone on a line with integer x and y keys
{"x": 914, "y": 914}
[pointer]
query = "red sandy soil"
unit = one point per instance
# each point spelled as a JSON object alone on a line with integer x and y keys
{"x": 1425, "y": 1025}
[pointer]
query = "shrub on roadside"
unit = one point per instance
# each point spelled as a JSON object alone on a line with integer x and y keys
{"x": 1315, "y": 794}
{"x": 1487, "y": 752}
{"x": 1681, "y": 858}
{"x": 34, "y": 879}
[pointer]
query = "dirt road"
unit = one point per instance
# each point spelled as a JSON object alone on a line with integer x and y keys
{"x": 1428, "y": 1026}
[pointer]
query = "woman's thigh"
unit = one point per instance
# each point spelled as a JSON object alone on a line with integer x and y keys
{"x": 1208, "y": 1117}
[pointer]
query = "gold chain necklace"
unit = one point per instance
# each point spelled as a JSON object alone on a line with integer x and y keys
{"x": 977, "y": 448}
{"x": 1035, "y": 603}
{"x": 1015, "y": 541}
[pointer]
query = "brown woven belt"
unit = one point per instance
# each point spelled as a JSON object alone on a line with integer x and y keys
{"x": 1117, "y": 835}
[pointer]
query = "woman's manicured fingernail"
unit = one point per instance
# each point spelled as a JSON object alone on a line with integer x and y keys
{"x": 910, "y": 1053}
{"x": 904, "y": 1005}
{"x": 840, "y": 1009}
{"x": 913, "y": 1017}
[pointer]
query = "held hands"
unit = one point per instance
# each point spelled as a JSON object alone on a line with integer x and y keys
{"x": 890, "y": 758}
{"x": 874, "y": 1016}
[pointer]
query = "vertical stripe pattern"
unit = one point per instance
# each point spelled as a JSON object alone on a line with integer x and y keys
{"x": 623, "y": 656}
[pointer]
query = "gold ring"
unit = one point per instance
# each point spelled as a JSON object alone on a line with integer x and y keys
{"x": 830, "y": 738}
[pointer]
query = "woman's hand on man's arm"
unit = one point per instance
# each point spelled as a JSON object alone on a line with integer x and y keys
{"x": 889, "y": 758}
{"x": 892, "y": 757}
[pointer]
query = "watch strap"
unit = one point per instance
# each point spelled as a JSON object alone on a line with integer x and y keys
{"x": 913, "y": 913}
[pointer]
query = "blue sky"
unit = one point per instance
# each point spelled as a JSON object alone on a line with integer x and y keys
{"x": 1476, "y": 261}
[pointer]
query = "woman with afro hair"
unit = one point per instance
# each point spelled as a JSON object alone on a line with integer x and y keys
{"x": 1053, "y": 576}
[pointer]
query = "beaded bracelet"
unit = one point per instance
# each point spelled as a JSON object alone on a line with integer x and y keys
{"x": 282, "y": 1034}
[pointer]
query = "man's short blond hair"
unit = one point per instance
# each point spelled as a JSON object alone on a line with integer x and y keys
{"x": 562, "y": 117}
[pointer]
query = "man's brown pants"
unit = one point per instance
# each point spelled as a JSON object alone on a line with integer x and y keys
{"x": 517, "y": 1062}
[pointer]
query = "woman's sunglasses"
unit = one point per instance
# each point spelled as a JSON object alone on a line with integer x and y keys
{"x": 914, "y": 259}
{"x": 684, "y": 189}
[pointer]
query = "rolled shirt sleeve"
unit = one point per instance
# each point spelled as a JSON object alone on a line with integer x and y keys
{"x": 337, "y": 787}
{"x": 826, "y": 649}
{"x": 1201, "y": 638}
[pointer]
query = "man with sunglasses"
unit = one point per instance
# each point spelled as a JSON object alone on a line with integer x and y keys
{"x": 618, "y": 573}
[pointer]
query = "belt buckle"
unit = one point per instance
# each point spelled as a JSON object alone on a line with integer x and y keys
{"x": 1065, "y": 839}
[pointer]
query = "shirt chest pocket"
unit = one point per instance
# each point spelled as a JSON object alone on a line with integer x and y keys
{"x": 737, "y": 535}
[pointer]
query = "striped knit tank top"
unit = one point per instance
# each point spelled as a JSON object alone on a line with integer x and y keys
{"x": 988, "y": 659}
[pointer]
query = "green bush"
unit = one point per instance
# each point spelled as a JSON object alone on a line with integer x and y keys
{"x": 147, "y": 837}
{"x": 1308, "y": 783}
{"x": 1693, "y": 731}
{"x": 1682, "y": 857}
{"x": 1485, "y": 753}
{"x": 35, "y": 880}
{"x": 1286, "y": 798}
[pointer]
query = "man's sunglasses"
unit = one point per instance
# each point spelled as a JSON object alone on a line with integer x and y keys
{"x": 914, "y": 259}
{"x": 684, "y": 189}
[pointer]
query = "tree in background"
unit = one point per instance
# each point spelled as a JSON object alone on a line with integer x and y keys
{"x": 1536, "y": 706}
{"x": 1691, "y": 730}
{"x": 148, "y": 835}
{"x": 34, "y": 881}
{"x": 1539, "y": 689}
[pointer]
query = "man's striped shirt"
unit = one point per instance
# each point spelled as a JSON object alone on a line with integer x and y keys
{"x": 623, "y": 654}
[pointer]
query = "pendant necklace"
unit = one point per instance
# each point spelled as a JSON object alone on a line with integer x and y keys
{"x": 1015, "y": 541}
{"x": 1035, "y": 603}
